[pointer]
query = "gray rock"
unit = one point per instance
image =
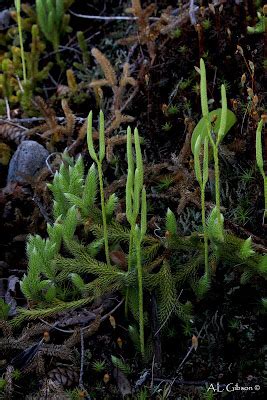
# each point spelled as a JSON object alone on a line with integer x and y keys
{"x": 27, "y": 161}
{"x": 4, "y": 19}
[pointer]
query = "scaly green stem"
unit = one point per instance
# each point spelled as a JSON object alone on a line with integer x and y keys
{"x": 140, "y": 296}
{"x": 215, "y": 147}
{"x": 206, "y": 244}
{"x": 265, "y": 196}
{"x": 130, "y": 254}
{"x": 217, "y": 181}
{"x": 103, "y": 208}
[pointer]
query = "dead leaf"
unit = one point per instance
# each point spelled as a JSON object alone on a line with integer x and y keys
{"x": 119, "y": 342}
{"x": 112, "y": 321}
{"x": 11, "y": 290}
{"x": 118, "y": 258}
{"x": 194, "y": 342}
{"x": 106, "y": 378}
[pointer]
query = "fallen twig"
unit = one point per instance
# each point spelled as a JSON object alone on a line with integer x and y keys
{"x": 71, "y": 331}
{"x": 190, "y": 350}
{"x": 82, "y": 360}
{"x": 31, "y": 120}
{"x": 104, "y": 18}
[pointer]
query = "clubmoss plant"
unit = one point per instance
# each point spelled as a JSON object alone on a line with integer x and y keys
{"x": 260, "y": 163}
{"x": 206, "y": 133}
{"x": 134, "y": 187}
{"x": 202, "y": 178}
{"x": 121, "y": 365}
{"x": 139, "y": 235}
{"x": 84, "y": 48}
{"x": 99, "y": 366}
{"x": 214, "y": 125}
{"x": 261, "y": 25}
{"x": 52, "y": 21}
{"x": 99, "y": 160}
{"x": 11, "y": 88}
{"x": 162, "y": 265}
{"x": 213, "y": 141}
{"x": 4, "y": 310}
{"x": 33, "y": 58}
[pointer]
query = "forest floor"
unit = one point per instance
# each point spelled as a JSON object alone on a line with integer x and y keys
{"x": 141, "y": 72}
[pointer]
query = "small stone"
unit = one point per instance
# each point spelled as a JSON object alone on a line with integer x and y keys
{"x": 27, "y": 161}
{"x": 4, "y": 19}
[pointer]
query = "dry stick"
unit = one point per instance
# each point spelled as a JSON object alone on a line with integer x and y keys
{"x": 82, "y": 360}
{"x": 11, "y": 122}
{"x": 184, "y": 359}
{"x": 189, "y": 351}
{"x": 85, "y": 327}
{"x": 47, "y": 161}
{"x": 190, "y": 8}
{"x": 152, "y": 374}
{"x": 19, "y": 83}
{"x": 42, "y": 210}
{"x": 36, "y": 119}
{"x": 192, "y": 12}
{"x": 63, "y": 48}
{"x": 7, "y": 108}
{"x": 115, "y": 18}
{"x": 244, "y": 117}
{"x": 130, "y": 98}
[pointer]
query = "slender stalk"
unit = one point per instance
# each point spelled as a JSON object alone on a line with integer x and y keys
{"x": 265, "y": 196}
{"x": 18, "y": 6}
{"x": 217, "y": 181}
{"x": 134, "y": 187}
{"x": 202, "y": 178}
{"x": 103, "y": 209}
{"x": 140, "y": 296}
{"x": 260, "y": 163}
{"x": 221, "y": 132}
{"x": 135, "y": 176}
{"x": 98, "y": 160}
{"x": 130, "y": 254}
{"x": 206, "y": 244}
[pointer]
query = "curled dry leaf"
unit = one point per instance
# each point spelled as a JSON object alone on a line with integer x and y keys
{"x": 106, "y": 378}
{"x": 112, "y": 321}
{"x": 194, "y": 342}
{"x": 118, "y": 258}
